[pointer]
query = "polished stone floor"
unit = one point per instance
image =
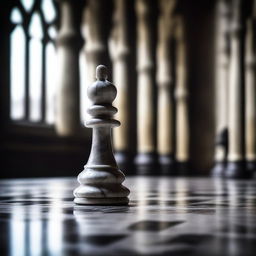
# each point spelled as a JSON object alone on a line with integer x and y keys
{"x": 166, "y": 216}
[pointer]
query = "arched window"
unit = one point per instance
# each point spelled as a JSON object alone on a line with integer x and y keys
{"x": 32, "y": 58}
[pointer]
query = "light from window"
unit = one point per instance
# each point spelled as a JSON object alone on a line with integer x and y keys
{"x": 27, "y": 4}
{"x": 48, "y": 10}
{"x": 50, "y": 82}
{"x": 35, "y": 68}
{"x": 34, "y": 40}
{"x": 17, "y": 73}
{"x": 35, "y": 101}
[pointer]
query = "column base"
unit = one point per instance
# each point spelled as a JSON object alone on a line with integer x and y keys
{"x": 146, "y": 164}
{"x": 122, "y": 157}
{"x": 167, "y": 164}
{"x": 219, "y": 169}
{"x": 165, "y": 160}
{"x": 182, "y": 168}
{"x": 125, "y": 162}
{"x": 237, "y": 170}
{"x": 251, "y": 166}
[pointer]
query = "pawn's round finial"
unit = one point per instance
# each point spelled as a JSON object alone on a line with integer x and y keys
{"x": 101, "y": 91}
{"x": 101, "y": 72}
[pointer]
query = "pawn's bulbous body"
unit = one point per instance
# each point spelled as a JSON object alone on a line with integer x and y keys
{"x": 101, "y": 180}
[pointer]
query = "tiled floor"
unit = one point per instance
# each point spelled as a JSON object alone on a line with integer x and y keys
{"x": 166, "y": 216}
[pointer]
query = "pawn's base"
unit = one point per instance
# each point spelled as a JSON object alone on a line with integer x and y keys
{"x": 101, "y": 185}
{"x": 219, "y": 169}
{"x": 237, "y": 170}
{"x": 102, "y": 201}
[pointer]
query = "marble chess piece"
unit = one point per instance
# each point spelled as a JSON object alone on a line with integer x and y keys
{"x": 101, "y": 180}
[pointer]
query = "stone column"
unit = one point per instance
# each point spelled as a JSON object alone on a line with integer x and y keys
{"x": 165, "y": 143}
{"x": 221, "y": 86}
{"x": 120, "y": 53}
{"x": 69, "y": 43}
{"x": 181, "y": 97}
{"x": 236, "y": 164}
{"x": 146, "y": 81}
{"x": 95, "y": 31}
{"x": 250, "y": 96}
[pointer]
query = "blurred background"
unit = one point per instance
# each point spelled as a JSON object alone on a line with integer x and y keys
{"x": 184, "y": 71}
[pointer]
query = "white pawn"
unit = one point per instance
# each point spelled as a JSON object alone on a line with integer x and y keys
{"x": 101, "y": 180}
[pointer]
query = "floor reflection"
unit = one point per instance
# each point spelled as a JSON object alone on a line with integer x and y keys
{"x": 55, "y": 229}
{"x": 18, "y": 232}
{"x": 178, "y": 216}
